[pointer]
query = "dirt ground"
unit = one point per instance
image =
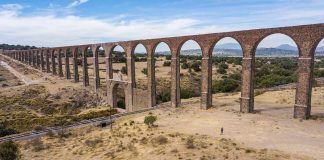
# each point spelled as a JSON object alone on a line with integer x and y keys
{"x": 270, "y": 133}
{"x": 191, "y": 133}
{"x": 7, "y": 79}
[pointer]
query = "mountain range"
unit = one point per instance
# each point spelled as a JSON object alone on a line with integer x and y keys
{"x": 234, "y": 49}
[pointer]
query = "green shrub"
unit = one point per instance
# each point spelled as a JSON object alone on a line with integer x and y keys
{"x": 226, "y": 85}
{"x": 195, "y": 66}
{"x": 124, "y": 70}
{"x": 319, "y": 73}
{"x": 221, "y": 71}
{"x": 144, "y": 71}
{"x": 185, "y": 65}
{"x": 164, "y": 96}
{"x": 185, "y": 93}
{"x": 166, "y": 63}
{"x": 4, "y": 131}
{"x": 223, "y": 65}
{"x": 149, "y": 120}
{"x": 9, "y": 151}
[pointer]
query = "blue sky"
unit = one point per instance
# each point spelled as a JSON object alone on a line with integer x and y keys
{"x": 68, "y": 22}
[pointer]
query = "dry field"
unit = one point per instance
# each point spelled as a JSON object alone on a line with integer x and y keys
{"x": 186, "y": 132}
{"x": 191, "y": 133}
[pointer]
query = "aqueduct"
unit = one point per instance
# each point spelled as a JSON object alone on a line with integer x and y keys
{"x": 306, "y": 37}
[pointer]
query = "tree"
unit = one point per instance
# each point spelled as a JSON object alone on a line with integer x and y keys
{"x": 149, "y": 120}
{"x": 9, "y": 151}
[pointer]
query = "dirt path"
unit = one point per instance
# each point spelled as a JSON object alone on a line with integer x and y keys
{"x": 20, "y": 76}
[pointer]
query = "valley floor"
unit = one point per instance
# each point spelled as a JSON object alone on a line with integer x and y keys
{"x": 191, "y": 133}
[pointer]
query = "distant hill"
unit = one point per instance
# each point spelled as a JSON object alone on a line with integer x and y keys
{"x": 234, "y": 49}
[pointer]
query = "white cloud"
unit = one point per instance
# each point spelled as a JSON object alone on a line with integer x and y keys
{"x": 76, "y": 3}
{"x": 52, "y": 31}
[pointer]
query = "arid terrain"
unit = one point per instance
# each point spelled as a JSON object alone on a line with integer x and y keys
{"x": 180, "y": 133}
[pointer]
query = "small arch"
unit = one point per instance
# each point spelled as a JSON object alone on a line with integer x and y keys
{"x": 119, "y": 63}
{"x": 227, "y": 56}
{"x": 162, "y": 56}
{"x": 190, "y": 57}
{"x": 186, "y": 43}
{"x": 100, "y": 53}
{"x": 275, "y": 63}
{"x": 119, "y": 93}
{"x": 318, "y": 81}
{"x": 140, "y": 58}
{"x": 270, "y": 36}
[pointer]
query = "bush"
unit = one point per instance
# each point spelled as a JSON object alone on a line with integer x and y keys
{"x": 185, "y": 93}
{"x": 9, "y": 151}
{"x": 222, "y": 71}
{"x": 319, "y": 73}
{"x": 6, "y": 131}
{"x": 164, "y": 96}
{"x": 226, "y": 85}
{"x": 235, "y": 76}
{"x": 124, "y": 70}
{"x": 144, "y": 71}
{"x": 149, "y": 120}
{"x": 160, "y": 140}
{"x": 196, "y": 66}
{"x": 190, "y": 143}
{"x": 223, "y": 66}
{"x": 185, "y": 65}
{"x": 166, "y": 63}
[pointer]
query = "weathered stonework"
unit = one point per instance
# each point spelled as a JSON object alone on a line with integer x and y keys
{"x": 306, "y": 37}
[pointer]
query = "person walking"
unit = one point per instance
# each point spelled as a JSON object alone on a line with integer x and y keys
{"x": 222, "y": 131}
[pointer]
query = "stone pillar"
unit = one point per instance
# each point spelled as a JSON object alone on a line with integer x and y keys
{"x": 48, "y": 69}
{"x": 206, "y": 82}
{"x": 67, "y": 65}
{"x": 131, "y": 78}
{"x": 60, "y": 69}
{"x": 151, "y": 84}
{"x": 30, "y": 58}
{"x": 37, "y": 59}
{"x": 302, "y": 107}
{"x": 108, "y": 59}
{"x": 247, "y": 88}
{"x": 34, "y": 59}
{"x": 96, "y": 69}
{"x": 53, "y": 62}
{"x": 175, "y": 78}
{"x": 85, "y": 68}
{"x": 42, "y": 60}
{"x": 75, "y": 66}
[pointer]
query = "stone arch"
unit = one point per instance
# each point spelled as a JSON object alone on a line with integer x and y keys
{"x": 137, "y": 60}
{"x": 161, "y": 93}
{"x": 263, "y": 66}
{"x": 114, "y": 92}
{"x": 122, "y": 51}
{"x": 182, "y": 42}
{"x": 190, "y": 70}
{"x": 228, "y": 45}
{"x": 264, "y": 36}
